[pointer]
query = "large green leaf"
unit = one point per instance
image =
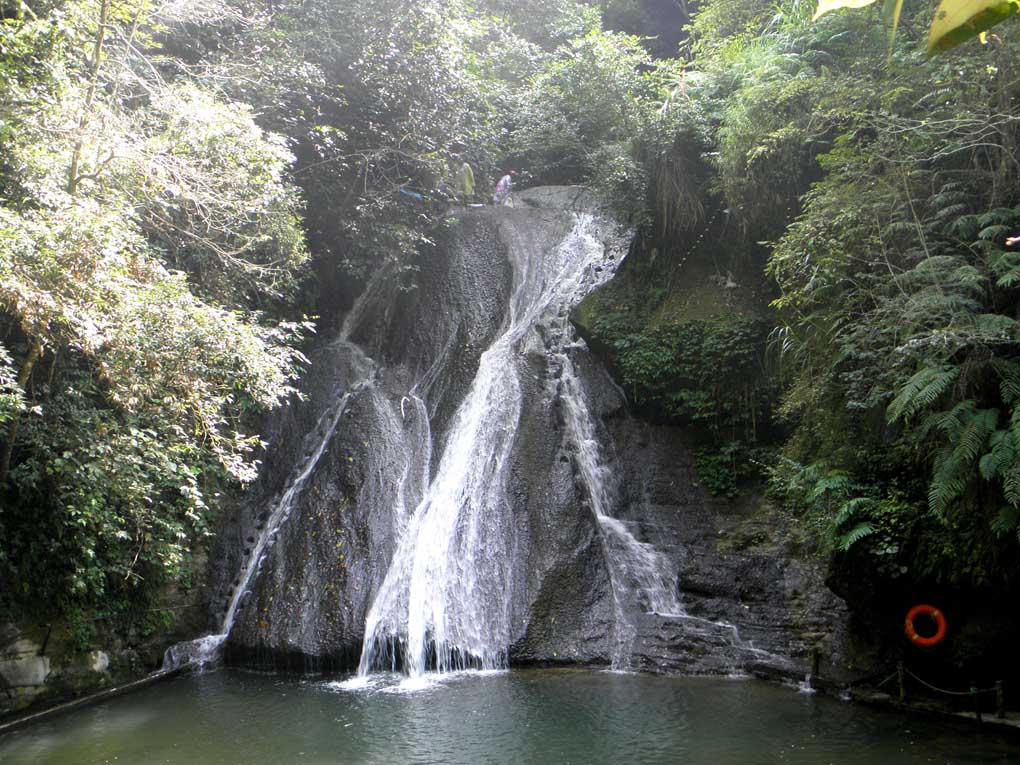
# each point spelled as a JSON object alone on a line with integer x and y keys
{"x": 957, "y": 21}
{"x": 891, "y": 12}
{"x": 824, "y": 6}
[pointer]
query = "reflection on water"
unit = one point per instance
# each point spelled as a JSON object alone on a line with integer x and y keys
{"x": 504, "y": 717}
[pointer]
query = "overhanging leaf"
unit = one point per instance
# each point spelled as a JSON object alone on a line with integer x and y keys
{"x": 957, "y": 21}
{"x": 891, "y": 12}
{"x": 824, "y": 6}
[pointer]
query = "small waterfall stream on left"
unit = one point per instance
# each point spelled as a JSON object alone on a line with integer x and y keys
{"x": 205, "y": 651}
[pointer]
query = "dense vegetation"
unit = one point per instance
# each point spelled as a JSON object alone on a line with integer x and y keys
{"x": 876, "y": 188}
{"x": 181, "y": 183}
{"x": 823, "y": 286}
{"x": 149, "y": 241}
{"x": 896, "y": 297}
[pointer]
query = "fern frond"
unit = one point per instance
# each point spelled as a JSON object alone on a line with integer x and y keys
{"x": 995, "y": 328}
{"x": 1006, "y": 265}
{"x": 1009, "y": 380}
{"x": 922, "y": 390}
{"x": 972, "y": 439}
{"x": 951, "y": 422}
{"x": 998, "y": 216}
{"x": 965, "y": 227}
{"x": 937, "y": 264}
{"x": 1007, "y": 521}
{"x": 1011, "y": 484}
{"x": 849, "y": 509}
{"x": 1001, "y": 454}
{"x": 994, "y": 232}
{"x": 831, "y": 483}
{"x": 899, "y": 228}
{"x": 968, "y": 430}
{"x": 948, "y": 196}
{"x": 944, "y": 490}
{"x": 969, "y": 277}
{"x": 856, "y": 534}
{"x": 1009, "y": 279}
{"x": 951, "y": 211}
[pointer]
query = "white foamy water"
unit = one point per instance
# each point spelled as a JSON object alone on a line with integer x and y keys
{"x": 640, "y": 576}
{"x": 445, "y": 601}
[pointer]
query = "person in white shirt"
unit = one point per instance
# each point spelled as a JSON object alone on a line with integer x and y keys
{"x": 503, "y": 188}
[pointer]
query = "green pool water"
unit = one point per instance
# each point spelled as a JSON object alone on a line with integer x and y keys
{"x": 529, "y": 716}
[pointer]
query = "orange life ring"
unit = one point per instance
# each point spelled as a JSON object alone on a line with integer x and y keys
{"x": 940, "y": 624}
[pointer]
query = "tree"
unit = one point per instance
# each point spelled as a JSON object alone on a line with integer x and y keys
{"x": 142, "y": 223}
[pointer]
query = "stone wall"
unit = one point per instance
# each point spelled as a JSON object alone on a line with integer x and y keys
{"x": 42, "y": 663}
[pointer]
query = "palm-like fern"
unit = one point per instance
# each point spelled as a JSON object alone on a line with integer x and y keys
{"x": 966, "y": 430}
{"x": 921, "y": 391}
{"x": 973, "y": 444}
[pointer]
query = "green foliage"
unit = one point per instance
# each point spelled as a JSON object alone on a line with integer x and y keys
{"x": 142, "y": 222}
{"x": 900, "y": 332}
{"x": 209, "y": 191}
{"x": 384, "y": 94}
{"x": 707, "y": 372}
{"x": 601, "y": 111}
{"x": 12, "y": 398}
{"x": 921, "y": 391}
{"x": 956, "y": 21}
{"x": 723, "y": 468}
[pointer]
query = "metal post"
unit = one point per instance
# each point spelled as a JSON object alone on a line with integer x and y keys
{"x": 816, "y": 662}
{"x": 977, "y": 702}
{"x": 1000, "y": 700}
{"x": 901, "y": 673}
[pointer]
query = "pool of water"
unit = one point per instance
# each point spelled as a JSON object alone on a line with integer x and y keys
{"x": 528, "y": 716}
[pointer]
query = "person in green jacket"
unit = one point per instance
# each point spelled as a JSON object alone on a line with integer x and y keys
{"x": 465, "y": 183}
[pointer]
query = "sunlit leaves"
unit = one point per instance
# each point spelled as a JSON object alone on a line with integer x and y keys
{"x": 588, "y": 111}
{"x": 128, "y": 306}
{"x": 12, "y": 398}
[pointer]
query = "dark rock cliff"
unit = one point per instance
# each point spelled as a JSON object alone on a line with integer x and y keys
{"x": 747, "y": 599}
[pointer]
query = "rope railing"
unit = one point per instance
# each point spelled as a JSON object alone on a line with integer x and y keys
{"x": 970, "y": 692}
{"x": 973, "y": 692}
{"x": 886, "y": 680}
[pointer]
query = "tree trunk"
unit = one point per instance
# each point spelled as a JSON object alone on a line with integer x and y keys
{"x": 90, "y": 97}
{"x": 12, "y": 434}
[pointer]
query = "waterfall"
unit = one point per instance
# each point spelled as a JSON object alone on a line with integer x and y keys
{"x": 206, "y": 650}
{"x": 445, "y": 601}
{"x": 431, "y": 543}
{"x": 639, "y": 575}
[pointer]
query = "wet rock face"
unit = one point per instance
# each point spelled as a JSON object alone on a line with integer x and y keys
{"x": 733, "y": 563}
{"x": 407, "y": 363}
{"x": 565, "y": 614}
{"x": 307, "y": 603}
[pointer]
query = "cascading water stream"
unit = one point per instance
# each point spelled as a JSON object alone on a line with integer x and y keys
{"x": 445, "y": 601}
{"x": 639, "y": 575}
{"x": 205, "y": 650}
